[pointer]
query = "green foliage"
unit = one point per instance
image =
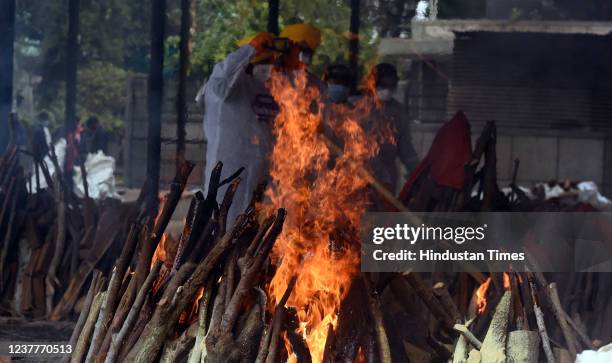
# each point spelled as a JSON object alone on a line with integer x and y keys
{"x": 104, "y": 85}
{"x": 114, "y": 41}
{"x": 219, "y": 25}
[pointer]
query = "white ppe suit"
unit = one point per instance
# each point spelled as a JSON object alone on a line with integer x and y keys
{"x": 238, "y": 121}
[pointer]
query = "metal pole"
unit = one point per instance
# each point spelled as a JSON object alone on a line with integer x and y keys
{"x": 154, "y": 102}
{"x": 181, "y": 98}
{"x": 273, "y": 16}
{"x": 72, "y": 59}
{"x": 354, "y": 37}
{"x": 7, "y": 38}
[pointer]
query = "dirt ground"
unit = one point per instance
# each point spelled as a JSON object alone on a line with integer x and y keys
{"x": 22, "y": 331}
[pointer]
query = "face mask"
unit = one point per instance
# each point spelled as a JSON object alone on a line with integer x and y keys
{"x": 261, "y": 72}
{"x": 305, "y": 57}
{"x": 337, "y": 92}
{"x": 385, "y": 94}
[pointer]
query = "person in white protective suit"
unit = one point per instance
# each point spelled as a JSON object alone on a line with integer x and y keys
{"x": 237, "y": 134}
{"x": 239, "y": 111}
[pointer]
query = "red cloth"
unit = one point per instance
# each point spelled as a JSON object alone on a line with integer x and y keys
{"x": 450, "y": 151}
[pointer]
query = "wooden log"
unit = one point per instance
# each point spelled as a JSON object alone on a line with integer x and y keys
{"x": 490, "y": 190}
{"x": 175, "y": 350}
{"x": 441, "y": 291}
{"x": 523, "y": 346}
{"x": 468, "y": 335}
{"x": 195, "y": 222}
{"x": 25, "y": 252}
{"x": 426, "y": 295}
{"x": 522, "y": 322}
{"x": 15, "y": 221}
{"x": 172, "y": 293}
{"x": 105, "y": 235}
{"x": 278, "y": 321}
{"x": 442, "y": 350}
{"x": 108, "y": 306}
{"x": 227, "y": 203}
{"x": 584, "y": 338}
{"x": 562, "y": 356}
{"x": 298, "y": 345}
{"x": 384, "y": 349}
{"x": 250, "y": 271}
{"x": 123, "y": 309}
{"x": 250, "y": 332}
{"x": 195, "y": 356}
{"x": 539, "y": 315}
{"x": 572, "y": 345}
{"x": 166, "y": 314}
{"x": 494, "y": 344}
{"x": 460, "y": 354}
{"x": 474, "y": 357}
{"x": 82, "y": 343}
{"x": 94, "y": 287}
{"x": 50, "y": 280}
{"x": 7, "y": 208}
{"x": 353, "y": 322}
{"x": 118, "y": 338}
{"x": 171, "y": 201}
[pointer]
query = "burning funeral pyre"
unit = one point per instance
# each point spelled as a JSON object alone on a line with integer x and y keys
{"x": 282, "y": 282}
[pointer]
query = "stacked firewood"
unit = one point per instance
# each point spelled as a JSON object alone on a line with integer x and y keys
{"x": 51, "y": 239}
{"x": 521, "y": 315}
{"x": 202, "y": 299}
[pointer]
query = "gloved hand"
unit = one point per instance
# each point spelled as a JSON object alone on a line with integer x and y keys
{"x": 262, "y": 41}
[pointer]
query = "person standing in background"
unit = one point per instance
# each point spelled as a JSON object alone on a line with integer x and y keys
{"x": 94, "y": 138}
{"x": 338, "y": 79}
{"x": 391, "y": 114}
{"x": 236, "y": 127}
{"x": 239, "y": 110}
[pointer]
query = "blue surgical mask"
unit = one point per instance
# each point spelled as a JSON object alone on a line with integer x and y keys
{"x": 337, "y": 92}
{"x": 384, "y": 94}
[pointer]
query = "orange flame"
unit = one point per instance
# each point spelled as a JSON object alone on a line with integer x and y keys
{"x": 165, "y": 250}
{"x": 191, "y": 312}
{"x": 507, "y": 284}
{"x": 481, "y": 295}
{"x": 324, "y": 196}
{"x": 160, "y": 251}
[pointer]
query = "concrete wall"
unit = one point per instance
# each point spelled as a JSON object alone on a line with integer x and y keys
{"x": 135, "y": 141}
{"x": 543, "y": 156}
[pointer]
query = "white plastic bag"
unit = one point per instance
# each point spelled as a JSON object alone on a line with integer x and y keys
{"x": 602, "y": 355}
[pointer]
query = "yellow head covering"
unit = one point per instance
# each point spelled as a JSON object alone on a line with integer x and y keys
{"x": 303, "y": 33}
{"x": 264, "y": 56}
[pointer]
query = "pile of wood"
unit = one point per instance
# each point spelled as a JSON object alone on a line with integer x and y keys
{"x": 203, "y": 298}
{"x": 513, "y": 320}
{"x": 51, "y": 240}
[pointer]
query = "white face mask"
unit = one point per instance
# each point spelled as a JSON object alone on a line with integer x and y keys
{"x": 261, "y": 72}
{"x": 305, "y": 57}
{"x": 385, "y": 94}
